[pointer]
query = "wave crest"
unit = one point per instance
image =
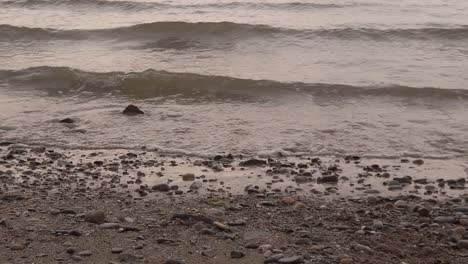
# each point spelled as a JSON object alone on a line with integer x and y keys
{"x": 229, "y": 31}
{"x": 139, "y": 6}
{"x": 153, "y": 83}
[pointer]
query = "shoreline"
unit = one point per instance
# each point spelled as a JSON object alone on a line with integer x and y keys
{"x": 119, "y": 206}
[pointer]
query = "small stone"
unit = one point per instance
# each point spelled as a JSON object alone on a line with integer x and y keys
{"x": 96, "y": 217}
{"x": 418, "y": 162}
{"x": 404, "y": 179}
{"x": 110, "y": 226}
{"x": 459, "y": 232}
{"x": 76, "y": 258}
{"x": 85, "y": 253}
{"x": 188, "y": 177}
{"x": 299, "y": 206}
{"x": 346, "y": 260}
{"x": 253, "y": 163}
{"x": 445, "y": 220}
{"x": 291, "y": 260}
{"x": 288, "y": 200}
{"x": 462, "y": 244}
{"x": 67, "y": 121}
{"x": 328, "y": 179}
{"x": 68, "y": 211}
{"x": 237, "y": 254}
{"x": 173, "y": 261}
{"x": 71, "y": 250}
{"x": 116, "y": 250}
{"x": 401, "y": 204}
{"x": 372, "y": 200}
{"x": 265, "y": 248}
{"x": 161, "y": 187}
{"x": 301, "y": 179}
{"x": 252, "y": 245}
{"x": 378, "y": 225}
{"x": 195, "y": 185}
{"x": 128, "y": 258}
{"x": 207, "y": 231}
{"x": 274, "y": 258}
{"x": 360, "y": 247}
{"x": 424, "y": 212}
{"x": 463, "y": 221}
{"x": 221, "y": 226}
{"x": 215, "y": 213}
{"x": 16, "y": 247}
{"x": 132, "y": 110}
{"x": 462, "y": 209}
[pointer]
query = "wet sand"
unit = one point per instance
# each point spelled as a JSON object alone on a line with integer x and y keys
{"x": 119, "y": 206}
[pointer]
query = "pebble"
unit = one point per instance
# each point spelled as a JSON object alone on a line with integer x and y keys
{"x": 196, "y": 186}
{"x": 109, "y": 226}
{"x": 265, "y": 248}
{"x": 96, "y": 217}
{"x": 299, "y": 206}
{"x": 71, "y": 250}
{"x": 445, "y": 219}
{"x": 128, "y": 258}
{"x": 328, "y": 179}
{"x": 77, "y": 258}
{"x": 459, "y": 232}
{"x": 288, "y": 200}
{"x": 252, "y": 163}
{"x": 463, "y": 221}
{"x": 291, "y": 260}
{"x": 424, "y": 212}
{"x": 188, "y": 177}
{"x": 274, "y": 258}
{"x": 462, "y": 244}
{"x": 85, "y": 253}
{"x": 161, "y": 187}
{"x": 116, "y": 250}
{"x": 236, "y": 254}
{"x": 68, "y": 211}
{"x": 462, "y": 209}
{"x": 301, "y": 179}
{"x": 372, "y": 200}
{"x": 172, "y": 261}
{"x": 401, "y": 204}
{"x": 16, "y": 247}
{"x": 378, "y": 225}
{"x": 360, "y": 247}
{"x": 215, "y": 213}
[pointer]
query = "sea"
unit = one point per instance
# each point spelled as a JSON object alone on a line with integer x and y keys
{"x": 376, "y": 78}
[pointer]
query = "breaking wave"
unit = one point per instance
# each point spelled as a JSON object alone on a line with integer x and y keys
{"x": 229, "y": 31}
{"x": 140, "y": 6}
{"x": 153, "y": 83}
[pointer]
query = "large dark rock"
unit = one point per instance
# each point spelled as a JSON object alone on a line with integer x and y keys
{"x": 132, "y": 110}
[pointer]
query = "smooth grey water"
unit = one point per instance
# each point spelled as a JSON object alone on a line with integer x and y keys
{"x": 380, "y": 78}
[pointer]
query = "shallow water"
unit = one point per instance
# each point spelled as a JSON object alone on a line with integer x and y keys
{"x": 377, "y": 78}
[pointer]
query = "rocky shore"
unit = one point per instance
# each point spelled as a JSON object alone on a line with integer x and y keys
{"x": 119, "y": 206}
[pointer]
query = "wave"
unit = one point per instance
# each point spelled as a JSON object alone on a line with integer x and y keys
{"x": 229, "y": 31}
{"x": 152, "y": 83}
{"x": 139, "y": 6}
{"x": 18, "y": 143}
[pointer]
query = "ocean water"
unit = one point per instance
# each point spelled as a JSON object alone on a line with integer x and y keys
{"x": 379, "y": 78}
